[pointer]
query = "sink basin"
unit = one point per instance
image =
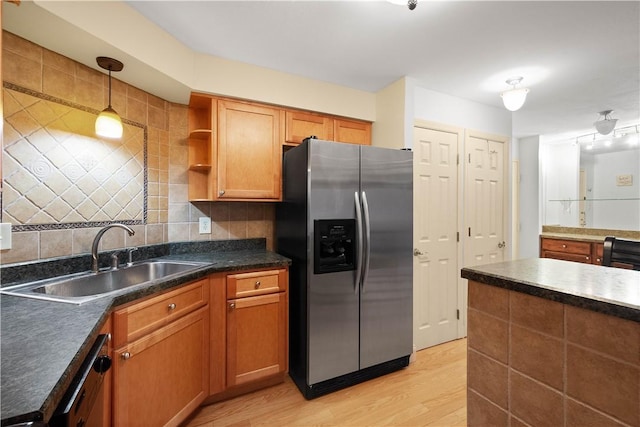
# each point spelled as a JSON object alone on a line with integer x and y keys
{"x": 88, "y": 286}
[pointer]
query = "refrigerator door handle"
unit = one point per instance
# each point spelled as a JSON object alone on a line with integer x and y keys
{"x": 367, "y": 239}
{"x": 360, "y": 242}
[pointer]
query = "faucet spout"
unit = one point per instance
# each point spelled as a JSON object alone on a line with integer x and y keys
{"x": 96, "y": 241}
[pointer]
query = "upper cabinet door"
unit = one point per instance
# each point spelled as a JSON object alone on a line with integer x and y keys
{"x": 249, "y": 152}
{"x": 303, "y": 125}
{"x": 354, "y": 132}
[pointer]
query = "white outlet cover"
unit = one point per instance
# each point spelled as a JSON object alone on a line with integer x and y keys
{"x": 204, "y": 225}
{"x": 5, "y": 235}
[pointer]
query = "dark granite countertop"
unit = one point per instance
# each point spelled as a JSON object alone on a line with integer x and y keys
{"x": 613, "y": 291}
{"x": 44, "y": 342}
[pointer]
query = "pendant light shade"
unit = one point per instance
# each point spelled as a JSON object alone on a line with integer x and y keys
{"x": 607, "y": 124}
{"x": 108, "y": 123}
{"x": 514, "y": 99}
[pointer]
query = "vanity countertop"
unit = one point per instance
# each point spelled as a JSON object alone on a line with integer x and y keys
{"x": 44, "y": 342}
{"x": 586, "y": 234}
{"x": 612, "y": 291}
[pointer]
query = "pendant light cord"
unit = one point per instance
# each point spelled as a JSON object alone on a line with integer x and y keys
{"x": 109, "y": 86}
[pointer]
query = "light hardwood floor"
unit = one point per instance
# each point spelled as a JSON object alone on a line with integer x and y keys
{"x": 431, "y": 391}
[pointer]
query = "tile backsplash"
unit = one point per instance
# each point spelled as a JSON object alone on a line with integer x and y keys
{"x": 170, "y": 216}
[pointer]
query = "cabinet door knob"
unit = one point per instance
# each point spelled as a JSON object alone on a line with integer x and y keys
{"x": 257, "y": 284}
{"x": 172, "y": 306}
{"x": 232, "y": 306}
{"x": 126, "y": 355}
{"x": 221, "y": 193}
{"x": 564, "y": 246}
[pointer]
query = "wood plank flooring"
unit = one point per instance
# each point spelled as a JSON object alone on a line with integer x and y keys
{"x": 431, "y": 391}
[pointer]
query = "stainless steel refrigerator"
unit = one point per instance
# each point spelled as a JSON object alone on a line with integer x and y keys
{"x": 346, "y": 221}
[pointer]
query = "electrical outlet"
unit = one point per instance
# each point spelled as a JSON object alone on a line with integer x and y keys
{"x": 5, "y": 235}
{"x": 204, "y": 225}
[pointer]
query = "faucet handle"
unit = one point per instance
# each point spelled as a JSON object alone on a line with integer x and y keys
{"x": 114, "y": 260}
{"x": 130, "y": 259}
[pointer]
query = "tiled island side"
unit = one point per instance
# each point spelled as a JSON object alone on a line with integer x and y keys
{"x": 553, "y": 343}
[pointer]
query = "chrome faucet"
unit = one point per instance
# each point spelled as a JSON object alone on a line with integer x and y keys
{"x": 96, "y": 241}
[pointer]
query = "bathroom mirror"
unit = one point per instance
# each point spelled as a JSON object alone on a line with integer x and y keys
{"x": 58, "y": 174}
{"x": 592, "y": 185}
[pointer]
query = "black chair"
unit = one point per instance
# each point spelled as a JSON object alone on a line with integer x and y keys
{"x": 621, "y": 253}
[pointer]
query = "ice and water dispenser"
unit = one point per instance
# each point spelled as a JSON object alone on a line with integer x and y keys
{"x": 334, "y": 245}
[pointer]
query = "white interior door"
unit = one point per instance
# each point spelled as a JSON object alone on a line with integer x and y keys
{"x": 484, "y": 200}
{"x": 435, "y": 228}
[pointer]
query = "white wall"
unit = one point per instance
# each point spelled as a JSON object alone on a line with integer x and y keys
{"x": 530, "y": 224}
{"x": 446, "y": 109}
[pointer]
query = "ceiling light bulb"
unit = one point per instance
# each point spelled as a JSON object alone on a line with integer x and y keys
{"x": 606, "y": 125}
{"x": 514, "y": 99}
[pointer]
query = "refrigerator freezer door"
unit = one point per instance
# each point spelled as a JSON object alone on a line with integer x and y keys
{"x": 332, "y": 305}
{"x": 386, "y": 329}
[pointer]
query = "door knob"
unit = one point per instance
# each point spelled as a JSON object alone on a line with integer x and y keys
{"x": 417, "y": 252}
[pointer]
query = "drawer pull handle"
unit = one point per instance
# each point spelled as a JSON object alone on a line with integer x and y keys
{"x": 564, "y": 246}
{"x": 172, "y": 306}
{"x": 126, "y": 355}
{"x": 257, "y": 284}
{"x": 232, "y": 306}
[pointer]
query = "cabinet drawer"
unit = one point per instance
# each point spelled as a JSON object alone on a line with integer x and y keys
{"x": 598, "y": 249}
{"x": 568, "y": 246}
{"x": 256, "y": 283}
{"x": 141, "y": 318}
{"x": 567, "y": 256}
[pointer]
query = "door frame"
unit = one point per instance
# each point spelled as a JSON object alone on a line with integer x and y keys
{"x": 461, "y": 284}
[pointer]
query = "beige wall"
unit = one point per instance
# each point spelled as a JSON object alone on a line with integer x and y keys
{"x": 388, "y": 130}
{"x": 170, "y": 216}
{"x": 159, "y": 64}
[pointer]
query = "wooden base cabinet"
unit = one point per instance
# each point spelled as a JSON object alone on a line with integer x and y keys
{"x": 586, "y": 252}
{"x": 162, "y": 375}
{"x": 251, "y": 350}
{"x": 256, "y": 338}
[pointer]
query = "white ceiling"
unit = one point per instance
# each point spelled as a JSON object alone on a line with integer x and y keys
{"x": 577, "y": 57}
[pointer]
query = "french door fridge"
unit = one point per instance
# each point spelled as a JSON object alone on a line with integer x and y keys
{"x": 346, "y": 222}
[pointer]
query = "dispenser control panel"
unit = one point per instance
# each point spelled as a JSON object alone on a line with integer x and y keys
{"x": 334, "y": 245}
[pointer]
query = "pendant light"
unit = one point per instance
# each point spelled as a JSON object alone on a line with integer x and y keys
{"x": 606, "y": 125}
{"x": 108, "y": 123}
{"x": 513, "y": 99}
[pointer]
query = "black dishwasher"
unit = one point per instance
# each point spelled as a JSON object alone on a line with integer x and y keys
{"x": 82, "y": 403}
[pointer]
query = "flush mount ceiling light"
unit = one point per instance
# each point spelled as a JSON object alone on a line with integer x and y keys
{"x": 411, "y": 4}
{"x": 108, "y": 123}
{"x": 606, "y": 125}
{"x": 514, "y": 98}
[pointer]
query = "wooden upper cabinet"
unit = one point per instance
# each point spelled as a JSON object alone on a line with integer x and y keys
{"x": 249, "y": 152}
{"x": 351, "y": 131}
{"x": 300, "y": 125}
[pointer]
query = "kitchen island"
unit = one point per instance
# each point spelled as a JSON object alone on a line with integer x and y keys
{"x": 44, "y": 342}
{"x": 553, "y": 342}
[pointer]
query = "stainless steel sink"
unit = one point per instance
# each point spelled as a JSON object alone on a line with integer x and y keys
{"x": 85, "y": 287}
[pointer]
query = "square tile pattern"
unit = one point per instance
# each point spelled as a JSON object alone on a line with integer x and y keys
{"x": 56, "y": 170}
{"x": 536, "y": 362}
